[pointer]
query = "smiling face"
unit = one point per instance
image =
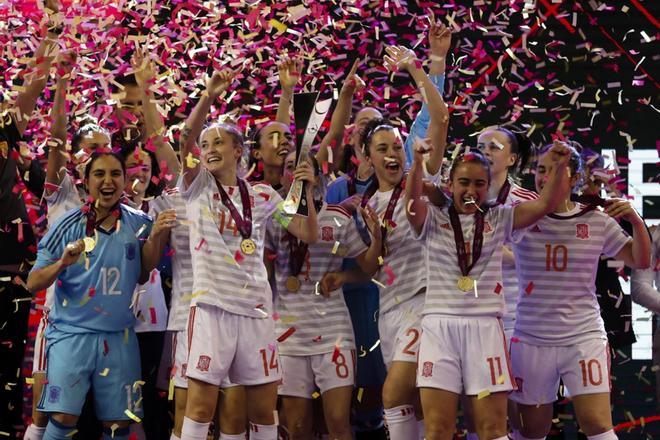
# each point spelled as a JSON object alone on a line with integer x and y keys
{"x": 105, "y": 181}
{"x": 138, "y": 172}
{"x": 496, "y": 147}
{"x": 387, "y": 156}
{"x": 469, "y": 182}
{"x": 544, "y": 167}
{"x": 219, "y": 152}
{"x": 275, "y": 143}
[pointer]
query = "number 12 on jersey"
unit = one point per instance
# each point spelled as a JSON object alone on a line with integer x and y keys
{"x": 109, "y": 280}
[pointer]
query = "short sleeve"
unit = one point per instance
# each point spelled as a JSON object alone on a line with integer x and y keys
{"x": 66, "y": 191}
{"x": 337, "y": 191}
{"x": 614, "y": 237}
{"x": 516, "y": 235}
{"x": 273, "y": 236}
{"x": 161, "y": 203}
{"x": 429, "y": 222}
{"x": 271, "y": 197}
{"x": 51, "y": 246}
{"x": 353, "y": 240}
{"x": 202, "y": 181}
{"x": 505, "y": 218}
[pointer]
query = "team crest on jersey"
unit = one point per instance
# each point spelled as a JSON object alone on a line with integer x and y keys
{"x": 54, "y": 394}
{"x": 445, "y": 226}
{"x": 427, "y": 369}
{"x": 130, "y": 251}
{"x": 203, "y": 363}
{"x": 582, "y": 231}
{"x": 487, "y": 228}
{"x": 519, "y": 384}
{"x": 327, "y": 233}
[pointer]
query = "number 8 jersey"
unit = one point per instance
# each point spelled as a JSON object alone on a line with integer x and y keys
{"x": 556, "y": 262}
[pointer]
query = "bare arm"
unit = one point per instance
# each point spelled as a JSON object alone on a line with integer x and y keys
{"x": 416, "y": 207}
{"x": 192, "y": 128}
{"x": 57, "y": 155}
{"x": 152, "y": 250}
{"x": 636, "y": 254}
{"x": 341, "y": 117}
{"x": 154, "y": 126}
{"x": 528, "y": 213}
{"x": 289, "y": 70}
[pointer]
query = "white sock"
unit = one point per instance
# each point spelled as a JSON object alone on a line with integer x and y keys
{"x": 174, "y": 437}
{"x": 472, "y": 436}
{"x": 263, "y": 432}
{"x": 519, "y": 436}
{"x": 607, "y": 435}
{"x": 193, "y": 430}
{"x": 401, "y": 422}
{"x": 224, "y": 436}
{"x": 420, "y": 429}
{"x": 34, "y": 432}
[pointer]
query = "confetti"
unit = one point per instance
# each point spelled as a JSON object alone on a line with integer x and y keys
{"x": 132, "y": 416}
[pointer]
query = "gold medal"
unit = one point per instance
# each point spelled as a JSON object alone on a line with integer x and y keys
{"x": 248, "y": 246}
{"x": 465, "y": 283}
{"x": 292, "y": 284}
{"x": 90, "y": 244}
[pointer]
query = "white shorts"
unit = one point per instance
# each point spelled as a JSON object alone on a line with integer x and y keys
{"x": 464, "y": 355}
{"x": 39, "y": 359}
{"x": 584, "y": 368}
{"x": 224, "y": 344}
{"x": 400, "y": 330}
{"x": 301, "y": 375}
{"x": 180, "y": 361}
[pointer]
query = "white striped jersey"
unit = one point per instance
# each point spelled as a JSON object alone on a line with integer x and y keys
{"x": 223, "y": 276}
{"x": 401, "y": 277}
{"x": 66, "y": 198}
{"x": 517, "y": 195}
{"x": 443, "y": 295}
{"x": 557, "y": 261}
{"x": 182, "y": 266}
{"x": 320, "y": 323}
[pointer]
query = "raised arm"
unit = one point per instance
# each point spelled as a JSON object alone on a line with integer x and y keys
{"x": 152, "y": 251}
{"x": 399, "y": 57}
{"x": 636, "y": 254}
{"x": 341, "y": 117}
{"x": 289, "y": 70}
{"x": 36, "y": 80}
{"x": 554, "y": 191}
{"x": 439, "y": 44}
{"x": 57, "y": 155}
{"x": 642, "y": 290}
{"x": 145, "y": 76}
{"x": 416, "y": 206}
{"x": 215, "y": 86}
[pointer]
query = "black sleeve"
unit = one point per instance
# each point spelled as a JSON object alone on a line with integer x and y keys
{"x": 37, "y": 178}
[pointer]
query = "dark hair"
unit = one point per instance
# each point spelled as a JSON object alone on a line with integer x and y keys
{"x": 521, "y": 146}
{"x": 102, "y": 153}
{"x": 575, "y": 161}
{"x": 153, "y": 190}
{"x": 87, "y": 125}
{"x": 373, "y": 127}
{"x": 255, "y": 138}
{"x": 592, "y": 159}
{"x": 470, "y": 156}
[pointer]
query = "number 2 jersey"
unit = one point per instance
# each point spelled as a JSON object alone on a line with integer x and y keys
{"x": 556, "y": 261}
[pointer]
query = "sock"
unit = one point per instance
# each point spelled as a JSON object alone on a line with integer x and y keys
{"x": 519, "y": 436}
{"x": 57, "y": 431}
{"x": 263, "y": 432}
{"x": 472, "y": 436}
{"x": 420, "y": 429}
{"x": 34, "y": 432}
{"x": 504, "y": 437}
{"x": 224, "y": 436}
{"x": 193, "y": 430}
{"x": 401, "y": 422}
{"x": 174, "y": 437}
{"x": 118, "y": 434}
{"x": 607, "y": 435}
